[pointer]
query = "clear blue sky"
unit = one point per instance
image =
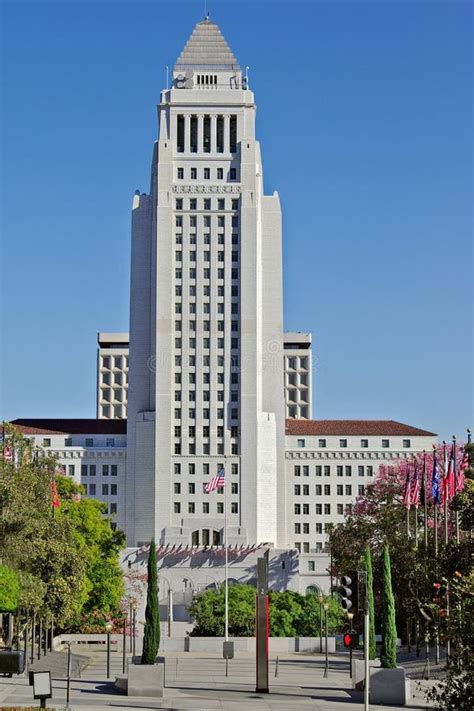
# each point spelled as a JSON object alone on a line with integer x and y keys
{"x": 364, "y": 116}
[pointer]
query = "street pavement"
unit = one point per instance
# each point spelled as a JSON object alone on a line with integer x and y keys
{"x": 197, "y": 681}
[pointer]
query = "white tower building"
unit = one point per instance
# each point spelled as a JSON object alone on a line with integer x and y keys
{"x": 206, "y": 342}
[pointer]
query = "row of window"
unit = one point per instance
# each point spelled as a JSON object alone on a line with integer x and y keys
{"x": 91, "y": 469}
{"x": 206, "y": 447}
{"x": 297, "y": 379}
{"x": 106, "y": 489}
{"x": 109, "y": 362}
{"x": 88, "y": 442}
{"x": 234, "y": 507}
{"x": 319, "y": 490}
{"x": 318, "y": 547}
{"x": 300, "y": 394}
{"x": 206, "y": 289}
{"x": 206, "y": 468}
{"x": 118, "y": 411}
{"x": 305, "y": 528}
{"x": 340, "y": 470}
{"x": 204, "y": 361}
{"x": 206, "y": 273}
{"x": 364, "y": 443}
{"x": 234, "y": 488}
{"x": 206, "y": 378}
{"x": 294, "y": 411}
{"x": 205, "y": 431}
{"x": 210, "y": 204}
{"x": 206, "y": 256}
{"x": 206, "y": 413}
{"x": 113, "y": 395}
{"x": 206, "y": 395}
{"x": 207, "y": 220}
{"x": 296, "y": 363}
{"x": 116, "y": 378}
{"x": 206, "y": 174}
{"x": 206, "y": 238}
{"x": 206, "y": 343}
{"x": 206, "y": 324}
{"x": 321, "y": 509}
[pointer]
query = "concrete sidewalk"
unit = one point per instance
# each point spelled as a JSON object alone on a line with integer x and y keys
{"x": 200, "y": 683}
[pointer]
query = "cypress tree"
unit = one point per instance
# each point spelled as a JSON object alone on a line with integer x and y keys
{"x": 370, "y": 602}
{"x": 151, "y": 636}
{"x": 388, "y": 656}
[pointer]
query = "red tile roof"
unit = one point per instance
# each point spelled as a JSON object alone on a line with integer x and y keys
{"x": 353, "y": 427}
{"x": 58, "y": 426}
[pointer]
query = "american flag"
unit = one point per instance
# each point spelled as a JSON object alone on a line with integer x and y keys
{"x": 216, "y": 482}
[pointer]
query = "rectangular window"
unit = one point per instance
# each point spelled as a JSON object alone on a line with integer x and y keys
{"x": 180, "y": 134}
{"x": 361, "y": 489}
{"x": 322, "y": 443}
{"x": 300, "y": 443}
{"x": 297, "y": 489}
{"x": 340, "y": 489}
{"x": 177, "y": 488}
{"x": 327, "y": 470}
{"x": 113, "y": 489}
{"x": 92, "y": 470}
{"x": 180, "y": 173}
{"x": 298, "y": 528}
{"x": 205, "y": 507}
{"x": 220, "y": 173}
{"x": 340, "y": 509}
{"x": 318, "y": 490}
{"x": 177, "y": 468}
{"x": 311, "y": 566}
{"x": 327, "y": 509}
{"x": 305, "y": 509}
{"x": 113, "y": 508}
{"x": 364, "y": 443}
{"x": 113, "y": 470}
{"x": 319, "y": 509}
{"x": 340, "y": 470}
{"x": 297, "y": 509}
{"x": 319, "y": 470}
{"x": 360, "y": 470}
{"x": 91, "y": 489}
{"x": 220, "y": 507}
{"x": 343, "y": 443}
{"x": 84, "y": 470}
{"x": 319, "y": 528}
{"x": 327, "y": 490}
{"x": 194, "y": 134}
{"x": 105, "y": 489}
{"x": 370, "y": 471}
{"x": 406, "y": 444}
{"x": 105, "y": 470}
{"x": 191, "y": 507}
{"x": 71, "y": 469}
{"x": 233, "y": 134}
{"x": 233, "y": 174}
{"x": 385, "y": 444}
{"x": 348, "y": 470}
{"x": 177, "y": 507}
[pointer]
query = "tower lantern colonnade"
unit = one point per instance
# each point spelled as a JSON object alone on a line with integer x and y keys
{"x": 206, "y": 341}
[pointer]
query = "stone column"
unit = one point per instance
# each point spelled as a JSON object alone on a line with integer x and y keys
{"x": 214, "y": 133}
{"x": 200, "y": 137}
{"x": 187, "y": 133}
{"x": 226, "y": 134}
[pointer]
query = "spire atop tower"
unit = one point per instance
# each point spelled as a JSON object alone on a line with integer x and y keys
{"x": 207, "y": 48}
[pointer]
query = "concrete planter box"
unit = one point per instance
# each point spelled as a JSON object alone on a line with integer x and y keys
{"x": 145, "y": 680}
{"x": 358, "y": 671}
{"x": 389, "y": 687}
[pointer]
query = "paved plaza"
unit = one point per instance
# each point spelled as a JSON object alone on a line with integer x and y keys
{"x": 200, "y": 682}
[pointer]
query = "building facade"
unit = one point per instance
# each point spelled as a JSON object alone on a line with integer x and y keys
{"x": 298, "y": 375}
{"x": 206, "y": 337}
{"x": 112, "y": 375}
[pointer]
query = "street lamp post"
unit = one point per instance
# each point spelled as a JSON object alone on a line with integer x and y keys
{"x": 134, "y": 605}
{"x": 326, "y": 666}
{"x": 124, "y": 642}
{"x": 130, "y": 616}
{"x": 321, "y": 601}
{"x": 108, "y": 629}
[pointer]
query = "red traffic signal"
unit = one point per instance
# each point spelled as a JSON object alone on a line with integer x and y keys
{"x": 351, "y": 640}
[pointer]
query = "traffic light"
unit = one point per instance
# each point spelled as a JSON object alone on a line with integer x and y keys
{"x": 351, "y": 639}
{"x": 349, "y": 591}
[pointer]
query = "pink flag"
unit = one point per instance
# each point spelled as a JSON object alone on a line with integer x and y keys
{"x": 8, "y": 455}
{"x": 415, "y": 489}
{"x": 451, "y": 478}
{"x": 407, "y": 492}
{"x": 461, "y": 478}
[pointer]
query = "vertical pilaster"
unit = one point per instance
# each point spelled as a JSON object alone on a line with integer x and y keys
{"x": 226, "y": 134}
{"x": 187, "y": 133}
{"x": 200, "y": 137}
{"x": 214, "y": 133}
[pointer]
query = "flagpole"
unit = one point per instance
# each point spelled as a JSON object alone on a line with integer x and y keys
{"x": 226, "y": 584}
{"x": 425, "y": 501}
{"x": 456, "y": 513}
{"x": 445, "y": 494}
{"x": 435, "y": 498}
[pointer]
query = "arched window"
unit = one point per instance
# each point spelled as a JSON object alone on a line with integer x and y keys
{"x": 313, "y": 590}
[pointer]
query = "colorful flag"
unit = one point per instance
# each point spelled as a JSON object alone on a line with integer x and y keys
{"x": 461, "y": 478}
{"x": 435, "y": 488}
{"x": 415, "y": 489}
{"x": 407, "y": 492}
{"x": 423, "y": 485}
{"x": 451, "y": 476}
{"x": 216, "y": 482}
{"x": 54, "y": 495}
{"x": 8, "y": 454}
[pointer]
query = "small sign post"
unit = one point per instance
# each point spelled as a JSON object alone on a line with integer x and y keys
{"x": 262, "y": 626}
{"x": 42, "y": 687}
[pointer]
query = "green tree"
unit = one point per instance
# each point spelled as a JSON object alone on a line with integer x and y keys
{"x": 370, "y": 602}
{"x": 151, "y": 636}
{"x": 388, "y": 654}
{"x": 9, "y": 589}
